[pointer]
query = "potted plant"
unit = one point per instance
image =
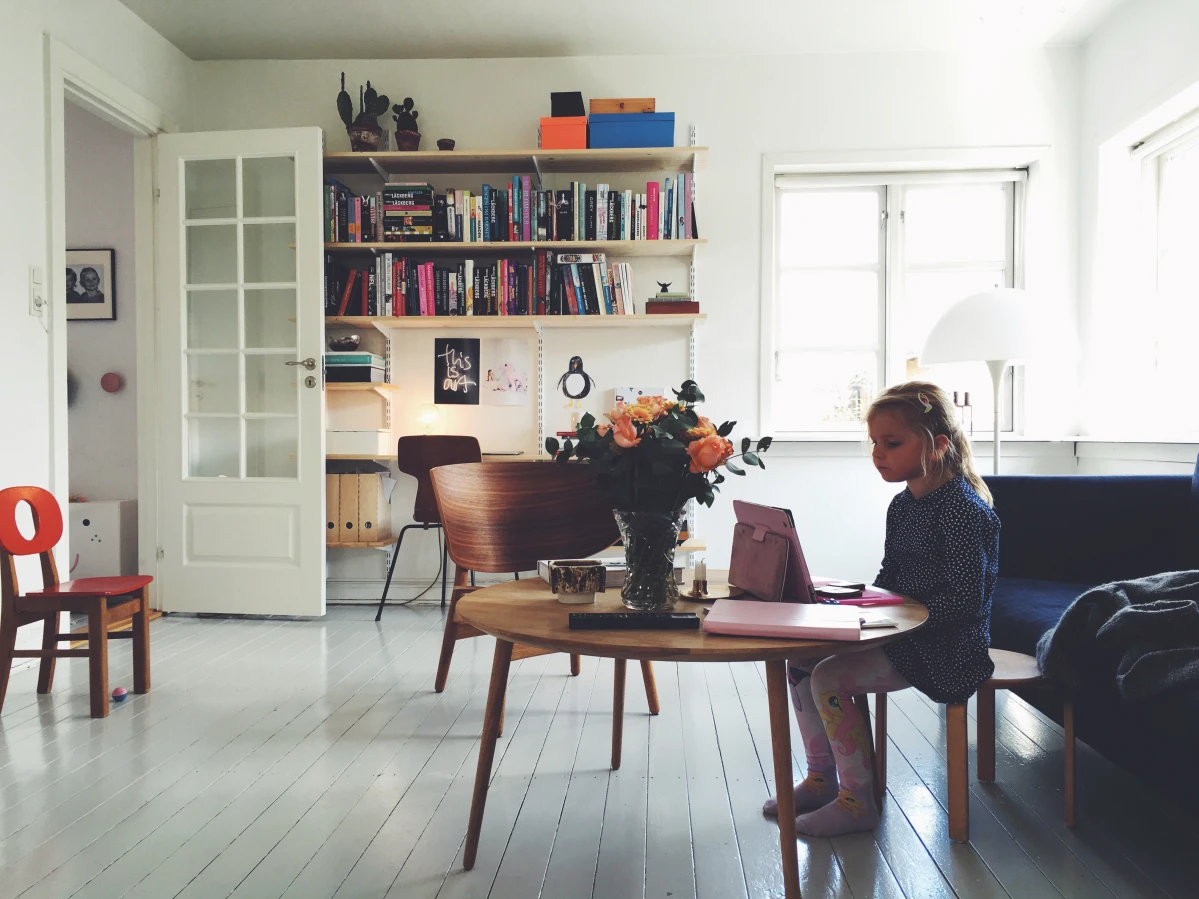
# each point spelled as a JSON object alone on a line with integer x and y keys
{"x": 407, "y": 137}
{"x": 364, "y": 130}
{"x": 649, "y": 459}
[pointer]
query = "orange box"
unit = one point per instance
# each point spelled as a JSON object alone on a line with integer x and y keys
{"x": 564, "y": 133}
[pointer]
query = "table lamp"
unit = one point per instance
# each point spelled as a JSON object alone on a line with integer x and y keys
{"x": 429, "y": 417}
{"x": 997, "y": 327}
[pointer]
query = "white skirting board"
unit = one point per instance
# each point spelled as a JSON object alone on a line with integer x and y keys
{"x": 341, "y": 589}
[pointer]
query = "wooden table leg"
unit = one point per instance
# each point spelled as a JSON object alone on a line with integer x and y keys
{"x": 784, "y": 782}
{"x": 575, "y": 665}
{"x": 958, "y": 771}
{"x": 880, "y": 747}
{"x": 141, "y": 645}
{"x": 651, "y": 687}
{"x": 491, "y": 727}
{"x": 617, "y": 711}
{"x": 97, "y": 656}
{"x": 985, "y": 751}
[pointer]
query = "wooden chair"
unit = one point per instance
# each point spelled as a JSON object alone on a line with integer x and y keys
{"x": 1012, "y": 669}
{"x": 504, "y": 516}
{"x": 415, "y": 456}
{"x": 102, "y": 599}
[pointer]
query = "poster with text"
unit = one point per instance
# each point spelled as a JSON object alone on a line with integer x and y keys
{"x": 456, "y": 371}
{"x": 505, "y": 371}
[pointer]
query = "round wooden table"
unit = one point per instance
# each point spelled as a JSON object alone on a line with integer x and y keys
{"x": 526, "y": 612}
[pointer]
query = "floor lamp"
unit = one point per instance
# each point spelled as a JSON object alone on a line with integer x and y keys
{"x": 998, "y": 327}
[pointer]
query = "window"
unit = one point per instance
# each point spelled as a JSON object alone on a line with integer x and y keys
{"x": 864, "y": 266}
{"x": 1172, "y": 373}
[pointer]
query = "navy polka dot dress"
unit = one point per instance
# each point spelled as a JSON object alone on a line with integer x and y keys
{"x": 943, "y": 550}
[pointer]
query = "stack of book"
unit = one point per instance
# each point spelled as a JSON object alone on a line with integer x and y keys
{"x": 355, "y": 368}
{"x": 673, "y": 302}
{"x": 412, "y": 212}
{"x": 545, "y": 283}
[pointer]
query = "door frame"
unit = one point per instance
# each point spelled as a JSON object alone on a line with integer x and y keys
{"x": 70, "y": 77}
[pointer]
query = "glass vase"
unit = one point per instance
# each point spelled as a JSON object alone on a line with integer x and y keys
{"x": 650, "y": 539}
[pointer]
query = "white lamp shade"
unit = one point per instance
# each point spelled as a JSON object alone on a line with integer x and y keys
{"x": 1001, "y": 325}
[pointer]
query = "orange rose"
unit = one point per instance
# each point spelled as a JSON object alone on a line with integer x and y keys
{"x": 655, "y": 404}
{"x": 708, "y": 453}
{"x": 705, "y": 428}
{"x": 625, "y": 433}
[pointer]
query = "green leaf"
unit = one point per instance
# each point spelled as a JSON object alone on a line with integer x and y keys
{"x": 745, "y": 442}
{"x": 587, "y": 421}
{"x": 764, "y": 444}
{"x": 734, "y": 469}
{"x": 551, "y": 445}
{"x": 727, "y": 428}
{"x": 718, "y": 479}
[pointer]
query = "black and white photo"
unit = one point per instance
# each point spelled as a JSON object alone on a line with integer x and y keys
{"x": 91, "y": 285}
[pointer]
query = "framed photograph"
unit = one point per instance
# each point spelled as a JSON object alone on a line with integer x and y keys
{"x": 91, "y": 285}
{"x": 456, "y": 371}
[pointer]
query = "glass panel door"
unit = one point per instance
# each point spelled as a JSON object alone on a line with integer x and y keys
{"x": 239, "y": 296}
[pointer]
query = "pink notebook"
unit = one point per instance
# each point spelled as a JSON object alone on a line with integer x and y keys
{"x": 871, "y": 596}
{"x": 789, "y": 620}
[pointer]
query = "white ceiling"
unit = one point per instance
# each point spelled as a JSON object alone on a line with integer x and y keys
{"x": 430, "y": 29}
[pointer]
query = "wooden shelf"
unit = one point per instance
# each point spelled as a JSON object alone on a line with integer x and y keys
{"x": 365, "y": 544}
{"x": 657, "y": 248}
{"x": 458, "y": 322}
{"x": 517, "y": 162}
{"x": 384, "y": 390}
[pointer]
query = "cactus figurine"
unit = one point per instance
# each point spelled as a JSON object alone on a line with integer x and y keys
{"x": 407, "y": 135}
{"x": 364, "y": 129}
{"x": 345, "y": 106}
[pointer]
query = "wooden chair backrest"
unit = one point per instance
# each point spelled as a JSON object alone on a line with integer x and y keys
{"x": 417, "y": 455}
{"x": 505, "y": 516}
{"x": 47, "y": 531}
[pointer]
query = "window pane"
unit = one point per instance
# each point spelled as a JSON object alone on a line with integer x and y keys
{"x": 212, "y": 383}
{"x": 268, "y": 186}
{"x": 271, "y": 318}
{"x": 211, "y": 254}
{"x": 212, "y": 319}
{"x": 955, "y": 223}
{"x": 271, "y": 383}
{"x": 826, "y": 308}
{"x": 818, "y": 391}
{"x": 1177, "y": 316}
{"x": 210, "y": 189}
{"x": 829, "y": 227}
{"x": 271, "y": 448}
{"x": 270, "y": 253}
{"x": 213, "y": 447}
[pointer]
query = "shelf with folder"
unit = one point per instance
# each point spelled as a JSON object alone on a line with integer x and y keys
{"x": 453, "y": 322}
{"x": 517, "y": 162}
{"x": 379, "y": 387}
{"x": 365, "y": 544}
{"x": 657, "y": 248}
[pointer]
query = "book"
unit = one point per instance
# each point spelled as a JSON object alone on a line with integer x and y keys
{"x": 786, "y": 620}
{"x": 563, "y": 215}
{"x": 527, "y": 209}
{"x": 589, "y": 223}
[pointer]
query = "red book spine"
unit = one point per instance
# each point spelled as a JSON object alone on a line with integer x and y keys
{"x": 542, "y": 287}
{"x": 345, "y": 294}
{"x": 397, "y": 295}
{"x": 571, "y": 301}
{"x": 651, "y": 210}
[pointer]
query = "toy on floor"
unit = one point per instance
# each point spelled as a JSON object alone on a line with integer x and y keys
{"x": 119, "y": 694}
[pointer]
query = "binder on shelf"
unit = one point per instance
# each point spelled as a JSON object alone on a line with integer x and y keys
{"x": 332, "y": 507}
{"x": 374, "y": 515}
{"x": 347, "y": 524}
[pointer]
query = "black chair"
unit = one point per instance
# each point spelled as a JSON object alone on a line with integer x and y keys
{"x": 416, "y": 456}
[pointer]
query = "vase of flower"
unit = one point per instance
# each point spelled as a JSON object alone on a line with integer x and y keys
{"x": 649, "y": 543}
{"x": 650, "y": 459}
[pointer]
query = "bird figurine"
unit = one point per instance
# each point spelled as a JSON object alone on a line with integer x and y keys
{"x": 664, "y": 286}
{"x": 575, "y": 383}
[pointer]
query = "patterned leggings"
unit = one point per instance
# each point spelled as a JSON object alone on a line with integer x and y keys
{"x": 832, "y": 721}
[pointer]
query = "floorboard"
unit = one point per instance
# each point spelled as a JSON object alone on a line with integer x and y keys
{"x": 311, "y": 759}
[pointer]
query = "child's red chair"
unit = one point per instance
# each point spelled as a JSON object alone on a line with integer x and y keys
{"x": 102, "y": 599}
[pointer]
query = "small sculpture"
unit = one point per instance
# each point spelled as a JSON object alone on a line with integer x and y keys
{"x": 407, "y": 136}
{"x": 664, "y": 286}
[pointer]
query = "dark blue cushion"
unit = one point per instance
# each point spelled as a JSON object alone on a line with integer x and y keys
{"x": 1022, "y": 609}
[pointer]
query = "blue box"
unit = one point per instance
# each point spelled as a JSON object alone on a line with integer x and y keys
{"x": 612, "y": 130}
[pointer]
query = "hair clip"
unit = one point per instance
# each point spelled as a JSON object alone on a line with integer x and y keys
{"x": 928, "y": 407}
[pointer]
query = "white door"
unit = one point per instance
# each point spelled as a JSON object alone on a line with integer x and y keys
{"x": 241, "y": 426}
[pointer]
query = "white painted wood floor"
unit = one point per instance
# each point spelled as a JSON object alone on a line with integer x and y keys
{"x": 313, "y": 759}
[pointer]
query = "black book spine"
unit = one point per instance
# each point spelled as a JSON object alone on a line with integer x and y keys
{"x": 480, "y": 304}
{"x": 613, "y": 215}
{"x": 493, "y": 216}
{"x": 590, "y": 233}
{"x": 343, "y": 216}
{"x": 505, "y": 215}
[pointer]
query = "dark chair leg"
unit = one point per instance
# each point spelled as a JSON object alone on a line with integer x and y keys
{"x": 445, "y": 565}
{"x": 8, "y": 644}
{"x": 391, "y": 568}
{"x": 472, "y": 578}
{"x": 45, "y": 674}
{"x": 517, "y": 573}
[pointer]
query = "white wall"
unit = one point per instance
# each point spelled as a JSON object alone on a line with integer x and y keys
{"x": 742, "y": 108}
{"x": 102, "y": 427}
{"x": 1140, "y": 71}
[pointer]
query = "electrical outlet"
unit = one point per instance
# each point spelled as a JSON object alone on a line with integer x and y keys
{"x": 37, "y": 291}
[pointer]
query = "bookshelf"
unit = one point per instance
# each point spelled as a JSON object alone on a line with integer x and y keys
{"x": 537, "y": 163}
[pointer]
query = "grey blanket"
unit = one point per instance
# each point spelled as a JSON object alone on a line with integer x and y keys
{"x": 1144, "y": 633}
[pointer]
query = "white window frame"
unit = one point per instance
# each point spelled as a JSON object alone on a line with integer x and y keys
{"x": 1018, "y": 164}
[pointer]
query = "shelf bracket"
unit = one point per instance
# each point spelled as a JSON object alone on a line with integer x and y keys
{"x": 382, "y": 172}
{"x": 540, "y": 388}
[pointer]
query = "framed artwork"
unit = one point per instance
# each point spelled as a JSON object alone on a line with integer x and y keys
{"x": 505, "y": 366}
{"x": 91, "y": 285}
{"x": 456, "y": 371}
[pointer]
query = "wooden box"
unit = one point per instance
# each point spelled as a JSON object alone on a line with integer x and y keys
{"x": 564, "y": 133}
{"x": 622, "y": 104}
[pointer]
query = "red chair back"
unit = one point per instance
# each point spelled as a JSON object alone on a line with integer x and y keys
{"x": 47, "y": 521}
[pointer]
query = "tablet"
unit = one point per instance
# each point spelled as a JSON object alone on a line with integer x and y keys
{"x": 797, "y": 587}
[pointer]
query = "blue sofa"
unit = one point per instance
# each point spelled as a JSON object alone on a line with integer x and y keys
{"x": 1063, "y": 535}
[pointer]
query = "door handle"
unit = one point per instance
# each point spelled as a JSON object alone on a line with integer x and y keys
{"x": 308, "y": 363}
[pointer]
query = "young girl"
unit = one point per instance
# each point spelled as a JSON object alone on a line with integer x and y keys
{"x": 942, "y": 549}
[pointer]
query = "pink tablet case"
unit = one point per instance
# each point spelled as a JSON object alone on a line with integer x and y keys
{"x": 871, "y": 596}
{"x": 798, "y": 582}
{"x": 758, "y": 563}
{"x": 799, "y": 621}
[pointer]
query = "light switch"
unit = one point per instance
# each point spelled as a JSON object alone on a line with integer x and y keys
{"x": 37, "y": 291}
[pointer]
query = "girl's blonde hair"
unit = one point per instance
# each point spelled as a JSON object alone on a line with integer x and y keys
{"x": 928, "y": 411}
